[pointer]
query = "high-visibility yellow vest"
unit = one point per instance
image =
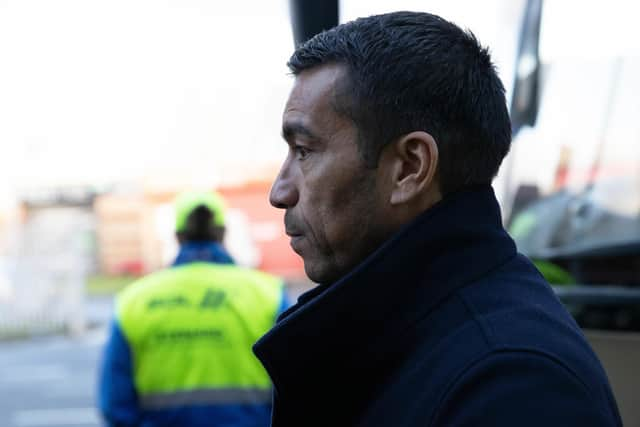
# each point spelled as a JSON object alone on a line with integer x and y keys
{"x": 190, "y": 330}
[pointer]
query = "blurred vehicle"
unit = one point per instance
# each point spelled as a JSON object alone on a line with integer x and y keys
{"x": 571, "y": 185}
{"x": 573, "y": 177}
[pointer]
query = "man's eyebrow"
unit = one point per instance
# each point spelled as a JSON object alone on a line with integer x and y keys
{"x": 290, "y": 130}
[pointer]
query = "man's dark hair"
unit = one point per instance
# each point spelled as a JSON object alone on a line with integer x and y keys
{"x": 200, "y": 227}
{"x": 409, "y": 71}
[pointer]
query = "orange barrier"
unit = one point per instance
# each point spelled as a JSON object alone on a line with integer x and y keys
{"x": 267, "y": 228}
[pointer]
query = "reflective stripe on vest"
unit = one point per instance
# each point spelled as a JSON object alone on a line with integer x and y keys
{"x": 191, "y": 328}
{"x": 206, "y": 397}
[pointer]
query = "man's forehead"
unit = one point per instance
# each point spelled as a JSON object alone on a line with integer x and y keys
{"x": 316, "y": 87}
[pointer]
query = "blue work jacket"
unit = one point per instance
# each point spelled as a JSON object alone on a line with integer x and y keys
{"x": 178, "y": 352}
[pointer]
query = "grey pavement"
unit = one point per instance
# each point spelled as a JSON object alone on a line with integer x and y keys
{"x": 50, "y": 381}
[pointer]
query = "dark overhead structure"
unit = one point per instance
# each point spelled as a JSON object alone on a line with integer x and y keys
{"x": 524, "y": 102}
{"x": 310, "y": 17}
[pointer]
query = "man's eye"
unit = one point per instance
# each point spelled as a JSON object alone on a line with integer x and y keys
{"x": 301, "y": 152}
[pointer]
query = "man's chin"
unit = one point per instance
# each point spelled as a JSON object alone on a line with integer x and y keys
{"x": 317, "y": 274}
{"x": 296, "y": 244}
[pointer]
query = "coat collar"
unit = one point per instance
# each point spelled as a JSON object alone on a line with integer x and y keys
{"x": 332, "y": 330}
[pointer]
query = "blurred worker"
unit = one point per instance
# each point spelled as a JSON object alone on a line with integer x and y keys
{"x": 425, "y": 315}
{"x": 179, "y": 351}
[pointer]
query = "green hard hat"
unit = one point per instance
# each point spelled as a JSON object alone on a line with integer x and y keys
{"x": 187, "y": 202}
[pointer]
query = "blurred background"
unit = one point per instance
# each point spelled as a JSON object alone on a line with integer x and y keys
{"x": 109, "y": 109}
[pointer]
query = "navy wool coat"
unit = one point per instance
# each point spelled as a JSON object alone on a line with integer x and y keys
{"x": 444, "y": 325}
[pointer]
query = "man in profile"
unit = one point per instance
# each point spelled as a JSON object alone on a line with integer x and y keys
{"x": 179, "y": 350}
{"x": 425, "y": 314}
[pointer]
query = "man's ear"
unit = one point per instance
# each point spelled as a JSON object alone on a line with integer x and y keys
{"x": 414, "y": 160}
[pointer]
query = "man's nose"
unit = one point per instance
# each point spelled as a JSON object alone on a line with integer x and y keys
{"x": 284, "y": 193}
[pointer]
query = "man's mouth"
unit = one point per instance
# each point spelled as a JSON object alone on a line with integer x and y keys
{"x": 295, "y": 240}
{"x": 293, "y": 233}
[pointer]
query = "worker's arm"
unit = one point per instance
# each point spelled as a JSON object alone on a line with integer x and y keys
{"x": 524, "y": 389}
{"x": 117, "y": 397}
